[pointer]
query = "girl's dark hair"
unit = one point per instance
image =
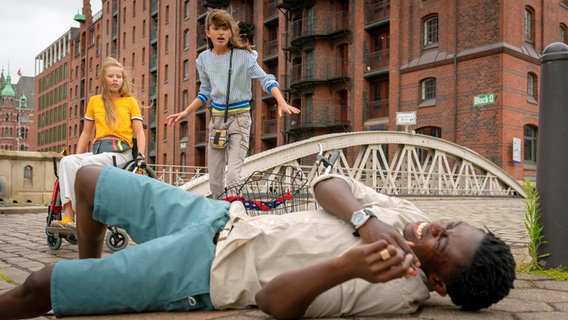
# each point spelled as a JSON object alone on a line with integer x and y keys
{"x": 222, "y": 18}
{"x": 489, "y": 278}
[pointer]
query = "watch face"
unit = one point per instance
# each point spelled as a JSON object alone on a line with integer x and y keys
{"x": 358, "y": 218}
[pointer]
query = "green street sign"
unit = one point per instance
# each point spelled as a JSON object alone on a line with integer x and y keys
{"x": 483, "y": 99}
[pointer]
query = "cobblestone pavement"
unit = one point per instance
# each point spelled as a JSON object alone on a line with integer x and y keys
{"x": 23, "y": 248}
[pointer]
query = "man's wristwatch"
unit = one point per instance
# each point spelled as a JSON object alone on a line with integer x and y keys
{"x": 141, "y": 155}
{"x": 359, "y": 218}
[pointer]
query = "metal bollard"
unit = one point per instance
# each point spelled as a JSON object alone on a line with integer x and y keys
{"x": 552, "y": 154}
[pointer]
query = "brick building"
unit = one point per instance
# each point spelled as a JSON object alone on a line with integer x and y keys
{"x": 17, "y": 127}
{"x": 469, "y": 70}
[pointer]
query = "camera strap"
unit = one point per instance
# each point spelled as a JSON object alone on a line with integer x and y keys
{"x": 229, "y": 86}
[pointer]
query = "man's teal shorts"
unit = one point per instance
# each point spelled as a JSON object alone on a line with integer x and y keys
{"x": 168, "y": 268}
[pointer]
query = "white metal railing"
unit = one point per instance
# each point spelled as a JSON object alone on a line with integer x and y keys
{"x": 177, "y": 175}
{"x": 416, "y": 165}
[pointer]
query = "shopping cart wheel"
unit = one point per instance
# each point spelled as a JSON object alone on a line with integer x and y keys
{"x": 116, "y": 239}
{"x": 53, "y": 242}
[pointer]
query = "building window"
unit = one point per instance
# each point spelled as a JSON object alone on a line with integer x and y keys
{"x": 166, "y": 72}
{"x": 185, "y": 69}
{"x": 530, "y": 143}
{"x": 379, "y": 102}
{"x": 167, "y": 14}
{"x": 186, "y": 9}
{"x": 28, "y": 176}
{"x": 431, "y": 31}
{"x": 532, "y": 86}
{"x": 529, "y": 24}
{"x": 435, "y": 132}
{"x": 186, "y": 38}
{"x": 167, "y": 45}
{"x": 183, "y": 130}
{"x": 165, "y": 103}
{"x": 563, "y": 33}
{"x": 428, "y": 89}
{"x": 184, "y": 99}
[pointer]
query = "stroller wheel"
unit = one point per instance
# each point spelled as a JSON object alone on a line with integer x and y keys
{"x": 53, "y": 242}
{"x": 72, "y": 239}
{"x": 116, "y": 239}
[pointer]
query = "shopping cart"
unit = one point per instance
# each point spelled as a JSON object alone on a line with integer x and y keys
{"x": 266, "y": 192}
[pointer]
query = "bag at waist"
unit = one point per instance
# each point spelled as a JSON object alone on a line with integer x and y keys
{"x": 110, "y": 144}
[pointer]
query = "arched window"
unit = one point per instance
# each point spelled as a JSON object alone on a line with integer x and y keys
{"x": 430, "y": 31}
{"x": 185, "y": 69}
{"x": 530, "y": 143}
{"x": 529, "y": 24}
{"x": 186, "y": 39}
{"x": 428, "y": 89}
{"x": 28, "y": 176}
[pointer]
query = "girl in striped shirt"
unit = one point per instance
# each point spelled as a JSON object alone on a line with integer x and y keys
{"x": 225, "y": 45}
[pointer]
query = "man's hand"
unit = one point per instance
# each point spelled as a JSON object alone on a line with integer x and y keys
{"x": 289, "y": 295}
{"x": 375, "y": 230}
{"x": 368, "y": 262}
{"x": 334, "y": 195}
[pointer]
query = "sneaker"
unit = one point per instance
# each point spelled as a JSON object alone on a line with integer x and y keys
{"x": 61, "y": 223}
{"x": 71, "y": 225}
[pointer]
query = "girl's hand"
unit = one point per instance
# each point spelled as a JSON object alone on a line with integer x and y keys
{"x": 176, "y": 117}
{"x": 284, "y": 108}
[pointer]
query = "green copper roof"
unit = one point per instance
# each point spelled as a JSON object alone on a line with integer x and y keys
{"x": 8, "y": 91}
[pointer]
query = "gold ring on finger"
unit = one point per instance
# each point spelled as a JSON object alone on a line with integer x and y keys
{"x": 385, "y": 255}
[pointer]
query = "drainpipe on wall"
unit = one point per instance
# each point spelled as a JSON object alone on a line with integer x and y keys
{"x": 456, "y": 71}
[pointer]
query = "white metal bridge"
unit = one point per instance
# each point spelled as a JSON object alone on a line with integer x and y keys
{"x": 394, "y": 163}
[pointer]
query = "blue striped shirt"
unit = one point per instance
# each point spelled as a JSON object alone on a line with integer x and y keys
{"x": 214, "y": 70}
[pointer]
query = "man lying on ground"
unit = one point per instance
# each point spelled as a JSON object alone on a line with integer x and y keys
{"x": 195, "y": 253}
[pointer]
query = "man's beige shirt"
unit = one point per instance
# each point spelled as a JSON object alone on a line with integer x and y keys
{"x": 259, "y": 248}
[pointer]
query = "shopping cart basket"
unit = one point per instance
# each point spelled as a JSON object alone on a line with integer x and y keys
{"x": 273, "y": 193}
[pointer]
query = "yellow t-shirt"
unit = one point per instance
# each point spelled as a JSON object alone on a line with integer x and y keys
{"x": 127, "y": 109}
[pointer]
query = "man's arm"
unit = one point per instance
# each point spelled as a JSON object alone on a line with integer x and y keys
{"x": 335, "y": 196}
{"x": 289, "y": 295}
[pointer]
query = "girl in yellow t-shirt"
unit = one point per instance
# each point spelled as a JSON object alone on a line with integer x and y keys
{"x": 114, "y": 117}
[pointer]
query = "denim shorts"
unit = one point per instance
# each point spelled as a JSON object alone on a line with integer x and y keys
{"x": 168, "y": 268}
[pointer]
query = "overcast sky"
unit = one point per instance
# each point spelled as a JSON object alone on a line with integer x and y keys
{"x": 27, "y": 27}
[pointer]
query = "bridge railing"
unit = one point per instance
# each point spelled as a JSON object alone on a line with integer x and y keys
{"x": 393, "y": 163}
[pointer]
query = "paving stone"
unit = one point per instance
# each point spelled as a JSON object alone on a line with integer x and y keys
{"x": 23, "y": 248}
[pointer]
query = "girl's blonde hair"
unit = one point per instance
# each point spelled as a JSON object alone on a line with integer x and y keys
{"x": 126, "y": 90}
{"x": 222, "y": 18}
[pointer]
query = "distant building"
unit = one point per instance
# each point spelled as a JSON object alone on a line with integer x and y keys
{"x": 469, "y": 70}
{"x": 17, "y": 127}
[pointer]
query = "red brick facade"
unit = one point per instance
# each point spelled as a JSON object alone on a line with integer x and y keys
{"x": 348, "y": 65}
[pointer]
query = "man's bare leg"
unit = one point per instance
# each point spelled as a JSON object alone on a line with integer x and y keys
{"x": 90, "y": 233}
{"x": 31, "y": 299}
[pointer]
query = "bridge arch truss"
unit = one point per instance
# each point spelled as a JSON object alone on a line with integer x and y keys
{"x": 394, "y": 163}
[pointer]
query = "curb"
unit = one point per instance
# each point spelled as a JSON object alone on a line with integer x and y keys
{"x": 23, "y": 209}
